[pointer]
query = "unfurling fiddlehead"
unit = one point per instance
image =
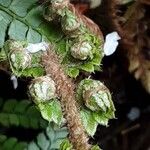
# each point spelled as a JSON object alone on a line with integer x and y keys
{"x": 94, "y": 95}
{"x": 42, "y": 89}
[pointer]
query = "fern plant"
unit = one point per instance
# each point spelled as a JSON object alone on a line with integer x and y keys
{"x": 54, "y": 55}
{"x": 50, "y": 139}
{"x": 9, "y": 143}
{"x": 24, "y": 114}
{"x": 20, "y": 113}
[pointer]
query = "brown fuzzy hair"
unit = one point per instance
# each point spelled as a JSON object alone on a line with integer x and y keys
{"x": 135, "y": 39}
{"x": 65, "y": 90}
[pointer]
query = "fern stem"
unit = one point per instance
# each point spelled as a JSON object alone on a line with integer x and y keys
{"x": 65, "y": 90}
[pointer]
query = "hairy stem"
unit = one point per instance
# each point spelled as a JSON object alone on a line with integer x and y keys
{"x": 65, "y": 90}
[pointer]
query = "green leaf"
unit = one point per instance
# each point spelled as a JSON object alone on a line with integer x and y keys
{"x": 33, "y": 146}
{"x": 51, "y": 111}
{"x": 33, "y": 36}
{"x": 4, "y": 119}
{"x": 56, "y": 144}
{"x": 21, "y": 113}
{"x": 17, "y": 30}
{"x": 101, "y": 118}
{"x": 5, "y": 3}
{"x": 33, "y": 111}
{"x": 2, "y": 138}
{"x": 46, "y": 111}
{"x": 22, "y": 106}
{"x": 24, "y": 122}
{"x": 35, "y": 17}
{"x": 96, "y": 60}
{"x": 57, "y": 112}
{"x": 20, "y": 7}
{"x": 51, "y": 31}
{"x": 20, "y": 146}
{"x": 42, "y": 141}
{"x": 97, "y": 68}
{"x": 14, "y": 120}
{"x": 87, "y": 67}
{"x": 9, "y": 105}
{"x": 61, "y": 132}
{"x": 110, "y": 114}
{"x": 42, "y": 123}
{"x": 73, "y": 72}
{"x": 106, "y": 99}
{"x": 96, "y": 147}
{"x": 34, "y": 71}
{"x": 34, "y": 123}
{"x": 5, "y": 19}
{"x": 50, "y": 132}
{"x": 28, "y": 15}
{"x": 9, "y": 144}
{"x": 90, "y": 124}
{"x": 66, "y": 145}
{"x": 50, "y": 140}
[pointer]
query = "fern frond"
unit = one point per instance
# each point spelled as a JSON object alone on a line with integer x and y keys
{"x": 22, "y": 20}
{"x": 21, "y": 113}
{"x": 7, "y": 143}
{"x": 49, "y": 140}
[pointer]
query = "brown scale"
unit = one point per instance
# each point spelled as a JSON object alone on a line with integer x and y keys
{"x": 135, "y": 34}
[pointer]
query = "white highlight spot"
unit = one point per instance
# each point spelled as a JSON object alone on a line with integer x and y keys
{"x": 95, "y": 3}
{"x": 33, "y": 48}
{"x": 14, "y": 81}
{"x": 134, "y": 113}
{"x": 111, "y": 43}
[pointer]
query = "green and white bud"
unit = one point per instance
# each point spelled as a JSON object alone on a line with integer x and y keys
{"x": 59, "y": 3}
{"x": 55, "y": 10}
{"x": 12, "y": 45}
{"x": 50, "y": 14}
{"x": 95, "y": 95}
{"x": 70, "y": 23}
{"x": 19, "y": 59}
{"x": 42, "y": 89}
{"x": 81, "y": 50}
